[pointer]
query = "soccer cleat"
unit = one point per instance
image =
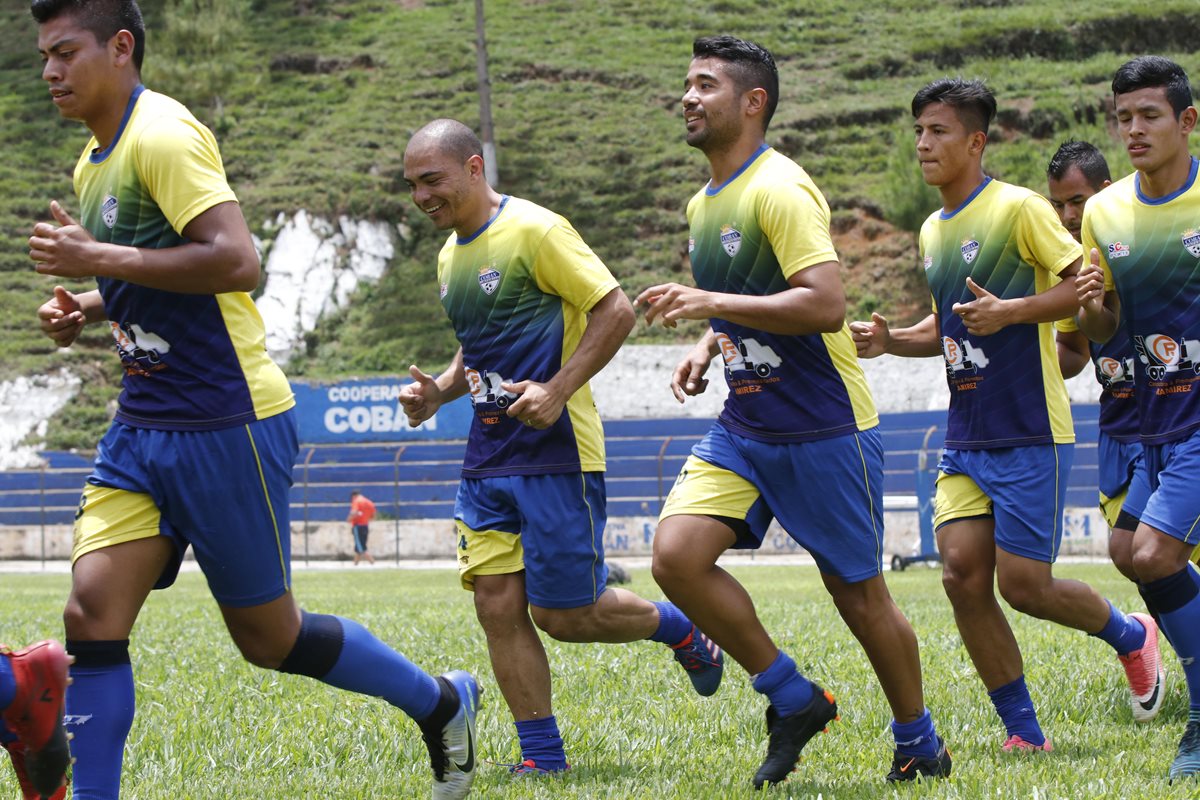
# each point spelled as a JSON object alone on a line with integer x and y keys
{"x": 16, "y": 752}
{"x": 703, "y": 660}
{"x": 1144, "y": 670}
{"x": 451, "y": 742}
{"x": 529, "y": 769}
{"x": 36, "y": 713}
{"x": 788, "y": 735}
{"x": 911, "y": 768}
{"x": 1015, "y": 744}
{"x": 1187, "y": 760}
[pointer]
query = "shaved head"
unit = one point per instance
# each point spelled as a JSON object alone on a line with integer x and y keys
{"x": 448, "y": 137}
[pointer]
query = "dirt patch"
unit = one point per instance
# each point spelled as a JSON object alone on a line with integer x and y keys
{"x": 881, "y": 267}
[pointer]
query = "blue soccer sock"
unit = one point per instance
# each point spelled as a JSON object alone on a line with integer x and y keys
{"x": 1015, "y": 707}
{"x": 8, "y": 684}
{"x": 784, "y": 686}
{"x": 1124, "y": 633}
{"x": 673, "y": 626}
{"x": 100, "y": 708}
{"x": 342, "y": 653}
{"x": 1176, "y": 598}
{"x": 916, "y": 738}
{"x": 542, "y": 743}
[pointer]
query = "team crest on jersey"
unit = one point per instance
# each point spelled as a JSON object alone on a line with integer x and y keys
{"x": 1191, "y": 241}
{"x": 108, "y": 211}
{"x": 928, "y": 262}
{"x": 731, "y": 240}
{"x": 489, "y": 279}
{"x": 1118, "y": 250}
{"x": 969, "y": 249}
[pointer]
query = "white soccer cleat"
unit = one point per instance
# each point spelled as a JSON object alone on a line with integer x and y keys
{"x": 452, "y": 744}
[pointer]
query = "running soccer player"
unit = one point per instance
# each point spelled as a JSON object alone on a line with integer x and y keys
{"x": 537, "y": 314}
{"x": 33, "y": 684}
{"x": 204, "y": 440}
{"x": 990, "y": 255}
{"x": 798, "y": 438}
{"x": 1143, "y": 243}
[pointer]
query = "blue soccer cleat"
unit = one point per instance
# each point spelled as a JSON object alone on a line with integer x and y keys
{"x": 703, "y": 660}
{"x": 451, "y": 742}
{"x": 1187, "y": 761}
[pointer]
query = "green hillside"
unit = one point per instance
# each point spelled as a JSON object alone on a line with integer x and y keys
{"x": 313, "y": 101}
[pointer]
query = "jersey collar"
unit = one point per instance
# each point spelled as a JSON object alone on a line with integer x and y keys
{"x": 1158, "y": 201}
{"x": 97, "y": 156}
{"x": 944, "y": 215}
{"x": 713, "y": 191}
{"x": 486, "y": 225}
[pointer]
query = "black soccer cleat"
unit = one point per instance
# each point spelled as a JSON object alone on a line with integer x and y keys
{"x": 788, "y": 735}
{"x": 911, "y": 768}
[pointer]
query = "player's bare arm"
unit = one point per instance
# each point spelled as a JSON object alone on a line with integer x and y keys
{"x": 815, "y": 303}
{"x": 987, "y": 313}
{"x": 425, "y": 395}
{"x": 1073, "y": 353}
{"x": 63, "y": 316}
{"x": 1098, "y": 309}
{"x": 609, "y": 321}
{"x": 688, "y": 378}
{"x": 876, "y": 337}
{"x": 219, "y": 256}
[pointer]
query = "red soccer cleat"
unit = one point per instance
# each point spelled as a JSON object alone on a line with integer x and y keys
{"x": 36, "y": 715}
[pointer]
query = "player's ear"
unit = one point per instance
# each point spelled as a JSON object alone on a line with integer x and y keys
{"x": 475, "y": 166}
{"x": 1187, "y": 120}
{"x": 755, "y": 101}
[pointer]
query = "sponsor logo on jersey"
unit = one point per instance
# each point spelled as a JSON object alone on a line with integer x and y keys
{"x": 731, "y": 240}
{"x": 108, "y": 211}
{"x": 1117, "y": 250}
{"x": 489, "y": 279}
{"x": 1191, "y": 241}
{"x": 691, "y": 244}
{"x": 1114, "y": 370}
{"x": 928, "y": 262}
{"x": 969, "y": 249}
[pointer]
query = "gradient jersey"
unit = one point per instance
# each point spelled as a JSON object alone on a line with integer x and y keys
{"x": 1113, "y": 365}
{"x": 1150, "y": 252}
{"x": 1006, "y": 389}
{"x": 192, "y": 361}
{"x": 748, "y": 236}
{"x": 518, "y": 292}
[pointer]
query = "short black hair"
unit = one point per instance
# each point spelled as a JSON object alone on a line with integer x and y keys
{"x": 1084, "y": 155}
{"x": 102, "y": 17}
{"x": 1148, "y": 72}
{"x": 452, "y": 137}
{"x": 753, "y": 66}
{"x": 971, "y": 100}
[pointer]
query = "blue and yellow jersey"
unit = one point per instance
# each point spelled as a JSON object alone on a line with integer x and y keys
{"x": 1150, "y": 252}
{"x": 517, "y": 292}
{"x": 1113, "y": 365}
{"x": 1006, "y": 389}
{"x": 192, "y": 361}
{"x": 748, "y": 236}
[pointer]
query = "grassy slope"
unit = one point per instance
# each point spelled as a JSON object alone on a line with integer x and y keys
{"x": 210, "y": 726}
{"x": 313, "y": 101}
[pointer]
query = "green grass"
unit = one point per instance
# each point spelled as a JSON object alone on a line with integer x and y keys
{"x": 210, "y": 726}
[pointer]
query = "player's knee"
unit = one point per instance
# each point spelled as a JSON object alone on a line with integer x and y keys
{"x": 82, "y": 618}
{"x": 564, "y": 625}
{"x": 1025, "y": 596}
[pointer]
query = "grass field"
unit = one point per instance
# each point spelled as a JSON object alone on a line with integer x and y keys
{"x": 210, "y": 726}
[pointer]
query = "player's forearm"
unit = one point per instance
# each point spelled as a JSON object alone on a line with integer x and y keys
{"x": 917, "y": 341}
{"x": 799, "y": 311}
{"x": 1073, "y": 353}
{"x": 1058, "y": 302}
{"x": 1100, "y": 325}
{"x": 92, "y": 306}
{"x": 193, "y": 268}
{"x": 452, "y": 383}
{"x": 609, "y": 323}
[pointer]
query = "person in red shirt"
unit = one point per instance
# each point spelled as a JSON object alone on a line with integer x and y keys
{"x": 362, "y": 511}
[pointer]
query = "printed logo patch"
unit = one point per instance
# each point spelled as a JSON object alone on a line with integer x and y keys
{"x": 1118, "y": 250}
{"x": 1191, "y": 241}
{"x": 489, "y": 279}
{"x": 691, "y": 244}
{"x": 928, "y": 262}
{"x": 108, "y": 211}
{"x": 731, "y": 240}
{"x": 1115, "y": 370}
{"x": 969, "y": 249}
{"x": 443, "y": 289}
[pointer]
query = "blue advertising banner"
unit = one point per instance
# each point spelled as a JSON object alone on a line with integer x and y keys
{"x": 369, "y": 411}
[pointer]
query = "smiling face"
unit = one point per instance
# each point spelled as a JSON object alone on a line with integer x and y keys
{"x": 1152, "y": 133}
{"x": 712, "y": 102}
{"x": 449, "y": 191}
{"x": 946, "y": 149}
{"x": 1068, "y": 195}
{"x": 77, "y": 67}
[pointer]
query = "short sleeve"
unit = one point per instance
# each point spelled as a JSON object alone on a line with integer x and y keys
{"x": 1043, "y": 240}
{"x": 180, "y": 165}
{"x": 565, "y": 266}
{"x": 795, "y": 219}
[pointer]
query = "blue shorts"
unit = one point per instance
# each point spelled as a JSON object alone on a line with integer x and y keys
{"x": 552, "y": 526}
{"x": 826, "y": 493}
{"x": 1163, "y": 491}
{"x": 1116, "y": 461}
{"x": 223, "y": 492}
{"x": 1023, "y": 488}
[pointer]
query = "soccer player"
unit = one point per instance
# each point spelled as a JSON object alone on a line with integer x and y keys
{"x": 362, "y": 511}
{"x": 990, "y": 255}
{"x": 1144, "y": 248}
{"x": 33, "y": 683}
{"x": 204, "y": 440}
{"x": 798, "y": 438}
{"x": 537, "y": 314}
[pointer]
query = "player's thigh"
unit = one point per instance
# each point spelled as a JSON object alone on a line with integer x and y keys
{"x": 1173, "y": 507}
{"x": 706, "y": 491}
{"x": 110, "y": 584}
{"x": 487, "y": 530}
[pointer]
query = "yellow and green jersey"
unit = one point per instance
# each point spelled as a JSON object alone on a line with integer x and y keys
{"x": 1150, "y": 251}
{"x": 749, "y": 236}
{"x": 1006, "y": 389}
{"x": 517, "y": 292}
{"x": 192, "y": 361}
